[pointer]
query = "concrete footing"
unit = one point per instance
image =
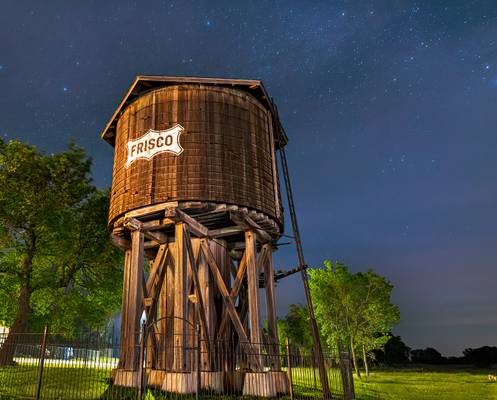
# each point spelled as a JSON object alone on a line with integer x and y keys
{"x": 122, "y": 377}
{"x": 179, "y": 382}
{"x": 259, "y": 384}
{"x": 280, "y": 379}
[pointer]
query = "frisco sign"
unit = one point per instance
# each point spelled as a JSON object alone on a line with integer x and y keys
{"x": 155, "y": 142}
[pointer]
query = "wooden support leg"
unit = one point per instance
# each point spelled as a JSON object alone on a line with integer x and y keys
{"x": 207, "y": 292}
{"x": 271, "y": 309}
{"x": 253, "y": 296}
{"x": 180, "y": 300}
{"x": 125, "y": 310}
{"x": 134, "y": 300}
{"x": 152, "y": 290}
{"x": 166, "y": 314}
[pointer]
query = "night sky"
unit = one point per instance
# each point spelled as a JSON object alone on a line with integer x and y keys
{"x": 390, "y": 107}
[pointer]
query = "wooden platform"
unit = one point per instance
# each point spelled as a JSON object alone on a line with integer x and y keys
{"x": 216, "y": 217}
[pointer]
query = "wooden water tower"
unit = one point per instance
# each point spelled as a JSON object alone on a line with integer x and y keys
{"x": 195, "y": 191}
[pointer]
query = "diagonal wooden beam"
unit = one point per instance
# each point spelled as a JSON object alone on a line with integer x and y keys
{"x": 151, "y": 289}
{"x": 248, "y": 223}
{"x": 156, "y": 284}
{"x": 234, "y": 294}
{"x": 158, "y": 263}
{"x": 194, "y": 268}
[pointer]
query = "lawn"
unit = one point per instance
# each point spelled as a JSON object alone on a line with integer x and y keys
{"x": 430, "y": 383}
{"x": 440, "y": 383}
{"x": 58, "y": 382}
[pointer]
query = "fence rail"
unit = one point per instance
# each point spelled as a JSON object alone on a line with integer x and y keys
{"x": 37, "y": 366}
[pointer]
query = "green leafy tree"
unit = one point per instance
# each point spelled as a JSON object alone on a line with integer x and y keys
{"x": 396, "y": 351}
{"x": 57, "y": 265}
{"x": 353, "y": 309}
{"x": 295, "y": 327}
{"x": 380, "y": 315}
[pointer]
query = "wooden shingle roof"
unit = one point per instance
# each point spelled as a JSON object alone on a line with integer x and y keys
{"x": 144, "y": 84}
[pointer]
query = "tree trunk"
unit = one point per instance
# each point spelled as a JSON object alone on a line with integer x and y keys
{"x": 18, "y": 327}
{"x": 365, "y": 358}
{"x": 354, "y": 359}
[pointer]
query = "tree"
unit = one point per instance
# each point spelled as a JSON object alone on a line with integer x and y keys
{"x": 481, "y": 357}
{"x": 353, "y": 309}
{"x": 395, "y": 352}
{"x": 427, "y": 356}
{"x": 57, "y": 265}
{"x": 295, "y": 327}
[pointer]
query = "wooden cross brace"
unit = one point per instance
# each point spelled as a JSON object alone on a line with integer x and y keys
{"x": 228, "y": 300}
{"x": 237, "y": 285}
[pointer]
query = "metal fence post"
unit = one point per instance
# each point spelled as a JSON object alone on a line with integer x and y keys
{"x": 141, "y": 357}
{"x": 197, "y": 362}
{"x": 314, "y": 370}
{"x": 289, "y": 368}
{"x": 42, "y": 361}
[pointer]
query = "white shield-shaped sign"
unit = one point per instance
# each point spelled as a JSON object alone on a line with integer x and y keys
{"x": 155, "y": 142}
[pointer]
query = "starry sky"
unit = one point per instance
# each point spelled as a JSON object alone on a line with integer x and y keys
{"x": 390, "y": 107}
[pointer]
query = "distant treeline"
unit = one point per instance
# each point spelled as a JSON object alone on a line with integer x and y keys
{"x": 396, "y": 352}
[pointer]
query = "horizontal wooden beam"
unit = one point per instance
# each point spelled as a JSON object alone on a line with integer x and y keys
{"x": 157, "y": 224}
{"x": 149, "y": 210}
{"x": 150, "y": 244}
{"x": 120, "y": 242}
{"x": 133, "y": 224}
{"x": 158, "y": 237}
{"x": 230, "y": 230}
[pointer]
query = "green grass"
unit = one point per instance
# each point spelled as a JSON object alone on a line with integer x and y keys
{"x": 430, "y": 383}
{"x": 76, "y": 382}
